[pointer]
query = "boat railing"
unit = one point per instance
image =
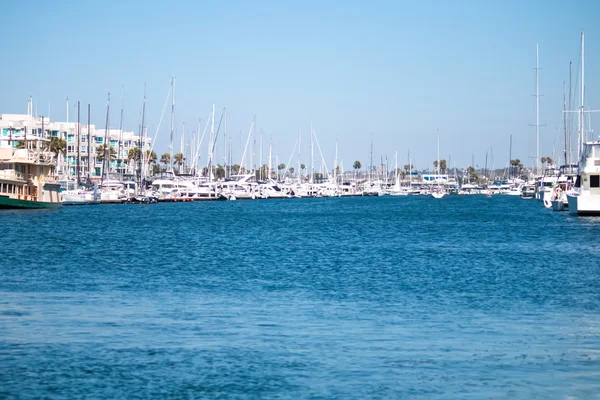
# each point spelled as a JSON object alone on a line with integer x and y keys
{"x": 12, "y": 174}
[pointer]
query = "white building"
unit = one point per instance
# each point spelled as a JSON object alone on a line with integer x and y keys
{"x": 18, "y": 125}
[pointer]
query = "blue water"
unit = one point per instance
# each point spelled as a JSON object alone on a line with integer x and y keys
{"x": 396, "y": 297}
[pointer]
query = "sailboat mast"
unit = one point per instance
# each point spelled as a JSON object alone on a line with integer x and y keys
{"x": 212, "y": 138}
{"x": 312, "y": 156}
{"x": 182, "y": 148}
{"x": 336, "y": 160}
{"x": 581, "y": 115}
{"x": 120, "y": 144}
{"x": 106, "y": 159}
{"x": 225, "y": 140}
{"x": 565, "y": 122}
{"x": 438, "y": 151}
{"x": 299, "y": 139}
{"x": 570, "y": 108}
{"x": 78, "y": 145}
{"x": 141, "y": 145}
{"x": 172, "y": 122}
{"x": 89, "y": 146}
{"x": 510, "y": 152}
{"x": 537, "y": 109}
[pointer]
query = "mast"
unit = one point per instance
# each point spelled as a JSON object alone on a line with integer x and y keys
{"x": 225, "y": 141}
{"x": 172, "y": 121}
{"x": 89, "y": 149}
{"x": 61, "y": 160}
{"x": 182, "y": 145}
{"x": 371, "y": 162}
{"x": 106, "y": 160}
{"x": 299, "y": 138}
{"x": 565, "y": 122}
{"x": 438, "y": 152}
{"x": 581, "y": 115}
{"x": 312, "y": 156}
{"x": 537, "y": 109}
{"x": 510, "y": 153}
{"x": 570, "y": 108}
{"x": 78, "y": 146}
{"x": 120, "y": 144}
{"x": 141, "y": 146}
{"x": 336, "y": 160}
{"x": 260, "y": 168}
{"x": 210, "y": 144}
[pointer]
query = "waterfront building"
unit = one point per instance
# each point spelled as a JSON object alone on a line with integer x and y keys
{"x": 19, "y": 126}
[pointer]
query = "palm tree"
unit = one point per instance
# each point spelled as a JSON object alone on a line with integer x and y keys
{"x": 57, "y": 146}
{"x": 134, "y": 154}
{"x": 103, "y": 149}
{"x": 179, "y": 158}
{"x": 281, "y": 166}
{"x": 165, "y": 159}
{"x": 357, "y": 165}
{"x": 471, "y": 173}
{"x": 549, "y": 160}
{"x": 514, "y": 164}
{"x": 292, "y": 170}
{"x": 302, "y": 167}
{"x": 151, "y": 156}
{"x": 435, "y": 164}
{"x": 219, "y": 172}
{"x": 235, "y": 169}
{"x": 443, "y": 166}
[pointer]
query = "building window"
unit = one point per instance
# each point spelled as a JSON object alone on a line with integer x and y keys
{"x": 99, "y": 139}
{"x": 70, "y": 138}
{"x": 594, "y": 181}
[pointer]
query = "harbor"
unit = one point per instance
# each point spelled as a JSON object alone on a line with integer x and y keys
{"x": 300, "y": 200}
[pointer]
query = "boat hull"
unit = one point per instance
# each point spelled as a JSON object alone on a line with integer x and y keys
{"x": 559, "y": 205}
{"x": 584, "y": 205}
{"x": 10, "y": 203}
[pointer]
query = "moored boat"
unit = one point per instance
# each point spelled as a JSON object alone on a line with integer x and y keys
{"x": 27, "y": 177}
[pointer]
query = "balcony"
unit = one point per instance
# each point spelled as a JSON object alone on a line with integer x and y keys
{"x": 11, "y": 174}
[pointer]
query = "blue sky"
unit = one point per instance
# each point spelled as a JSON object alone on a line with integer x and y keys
{"x": 392, "y": 72}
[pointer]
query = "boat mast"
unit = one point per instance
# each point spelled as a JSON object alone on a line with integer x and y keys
{"x": 119, "y": 146}
{"x": 581, "y": 114}
{"x": 438, "y": 152}
{"x": 78, "y": 146}
{"x": 570, "y": 108}
{"x": 182, "y": 146}
{"x": 565, "y": 122}
{"x": 172, "y": 122}
{"x": 336, "y": 160}
{"x": 537, "y": 109}
{"x": 312, "y": 156}
{"x": 509, "y": 153}
{"x": 106, "y": 160}
{"x": 141, "y": 145}
{"x": 225, "y": 141}
{"x": 89, "y": 149}
{"x": 210, "y": 144}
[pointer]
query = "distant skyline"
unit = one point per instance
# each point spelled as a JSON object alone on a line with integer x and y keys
{"x": 390, "y": 72}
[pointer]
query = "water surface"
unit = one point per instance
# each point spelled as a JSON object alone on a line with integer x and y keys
{"x": 395, "y": 297}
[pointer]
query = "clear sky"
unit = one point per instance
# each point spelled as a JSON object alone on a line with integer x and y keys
{"x": 388, "y": 71}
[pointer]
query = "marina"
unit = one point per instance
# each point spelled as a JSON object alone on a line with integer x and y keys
{"x": 249, "y": 294}
{"x": 300, "y": 200}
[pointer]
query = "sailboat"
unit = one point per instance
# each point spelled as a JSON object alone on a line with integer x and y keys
{"x": 585, "y": 199}
{"x": 439, "y": 192}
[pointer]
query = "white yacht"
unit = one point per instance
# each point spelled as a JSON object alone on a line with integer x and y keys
{"x": 585, "y": 199}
